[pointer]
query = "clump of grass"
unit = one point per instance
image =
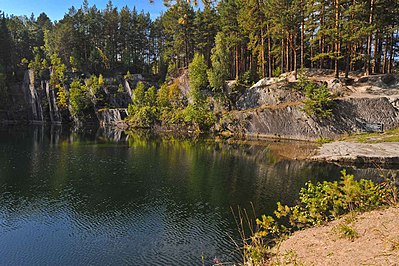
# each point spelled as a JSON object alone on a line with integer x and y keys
{"x": 376, "y": 137}
{"x": 345, "y": 230}
{"x": 290, "y": 257}
{"x": 324, "y": 140}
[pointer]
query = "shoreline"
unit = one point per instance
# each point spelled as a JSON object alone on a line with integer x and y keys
{"x": 376, "y": 242}
{"x": 384, "y": 154}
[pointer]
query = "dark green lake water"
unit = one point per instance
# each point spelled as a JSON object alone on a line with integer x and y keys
{"x": 85, "y": 199}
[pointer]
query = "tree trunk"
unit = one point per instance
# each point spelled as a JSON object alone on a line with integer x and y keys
{"x": 322, "y": 36}
{"x": 369, "y": 40}
{"x": 263, "y": 52}
{"x": 287, "y": 55}
{"x": 269, "y": 52}
{"x": 390, "y": 65}
{"x": 302, "y": 35}
{"x": 337, "y": 39}
{"x": 237, "y": 63}
{"x": 347, "y": 60}
{"x": 384, "y": 64}
{"x": 282, "y": 54}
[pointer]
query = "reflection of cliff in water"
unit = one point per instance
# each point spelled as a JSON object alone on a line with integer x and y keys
{"x": 223, "y": 174}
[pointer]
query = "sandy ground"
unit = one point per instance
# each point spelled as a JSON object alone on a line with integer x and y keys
{"x": 377, "y": 242}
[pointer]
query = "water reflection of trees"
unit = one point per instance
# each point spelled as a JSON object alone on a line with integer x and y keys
{"x": 96, "y": 171}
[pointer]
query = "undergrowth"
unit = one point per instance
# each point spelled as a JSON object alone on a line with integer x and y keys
{"x": 318, "y": 203}
{"x": 376, "y": 137}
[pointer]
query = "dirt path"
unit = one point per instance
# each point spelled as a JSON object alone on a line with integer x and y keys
{"x": 377, "y": 242}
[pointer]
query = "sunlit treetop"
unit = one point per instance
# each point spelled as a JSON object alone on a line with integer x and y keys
{"x": 170, "y": 3}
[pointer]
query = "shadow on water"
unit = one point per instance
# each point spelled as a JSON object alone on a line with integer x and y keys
{"x": 100, "y": 196}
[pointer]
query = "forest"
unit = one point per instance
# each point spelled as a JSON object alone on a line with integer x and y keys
{"x": 243, "y": 40}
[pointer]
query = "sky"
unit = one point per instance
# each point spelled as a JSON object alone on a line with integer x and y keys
{"x": 56, "y": 9}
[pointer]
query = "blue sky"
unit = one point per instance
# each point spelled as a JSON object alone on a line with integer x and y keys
{"x": 56, "y": 9}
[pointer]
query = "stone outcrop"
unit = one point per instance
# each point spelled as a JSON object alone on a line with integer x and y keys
{"x": 111, "y": 117}
{"x": 349, "y": 116}
{"x": 34, "y": 101}
{"x": 270, "y": 109}
{"x": 382, "y": 154}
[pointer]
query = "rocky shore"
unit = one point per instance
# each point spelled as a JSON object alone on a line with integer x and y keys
{"x": 377, "y": 154}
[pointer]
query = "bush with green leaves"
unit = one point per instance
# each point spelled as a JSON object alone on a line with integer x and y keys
{"x": 199, "y": 116}
{"x": 277, "y": 72}
{"x": 197, "y": 76}
{"x": 318, "y": 101}
{"x": 322, "y": 202}
{"x": 143, "y": 112}
{"x": 221, "y": 64}
{"x": 79, "y": 99}
{"x": 249, "y": 78}
{"x": 318, "y": 203}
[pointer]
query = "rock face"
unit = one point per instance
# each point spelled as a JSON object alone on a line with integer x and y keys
{"x": 268, "y": 94}
{"x": 350, "y": 115}
{"x": 110, "y": 117}
{"x": 33, "y": 101}
{"x": 275, "y": 110}
{"x": 32, "y": 97}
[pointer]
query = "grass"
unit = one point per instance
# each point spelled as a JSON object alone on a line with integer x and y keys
{"x": 387, "y": 136}
{"x": 324, "y": 140}
{"x": 344, "y": 230}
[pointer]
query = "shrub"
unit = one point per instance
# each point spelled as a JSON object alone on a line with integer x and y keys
{"x": 197, "y": 74}
{"x": 143, "y": 112}
{"x": 318, "y": 101}
{"x": 128, "y": 76}
{"x": 79, "y": 99}
{"x": 249, "y": 77}
{"x": 277, "y": 72}
{"x": 318, "y": 203}
{"x": 221, "y": 63}
{"x": 199, "y": 115}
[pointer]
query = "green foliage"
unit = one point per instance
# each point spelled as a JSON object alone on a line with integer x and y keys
{"x": 248, "y": 78}
{"x": 3, "y": 86}
{"x": 344, "y": 230}
{"x": 139, "y": 95}
{"x": 93, "y": 84}
{"x": 57, "y": 76}
{"x": 128, "y": 76}
{"x": 199, "y": 115}
{"x": 197, "y": 74}
{"x": 323, "y": 140}
{"x": 328, "y": 200}
{"x": 38, "y": 64}
{"x": 171, "y": 103}
{"x": 121, "y": 89}
{"x": 143, "y": 112}
{"x": 101, "y": 80}
{"x": 62, "y": 98}
{"x": 221, "y": 64}
{"x": 74, "y": 63}
{"x": 318, "y": 101}
{"x": 277, "y": 72}
{"x": 318, "y": 204}
{"x": 79, "y": 99}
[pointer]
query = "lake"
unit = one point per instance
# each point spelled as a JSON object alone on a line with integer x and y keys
{"x": 99, "y": 197}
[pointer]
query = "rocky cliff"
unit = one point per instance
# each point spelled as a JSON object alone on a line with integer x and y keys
{"x": 35, "y": 102}
{"x": 274, "y": 109}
